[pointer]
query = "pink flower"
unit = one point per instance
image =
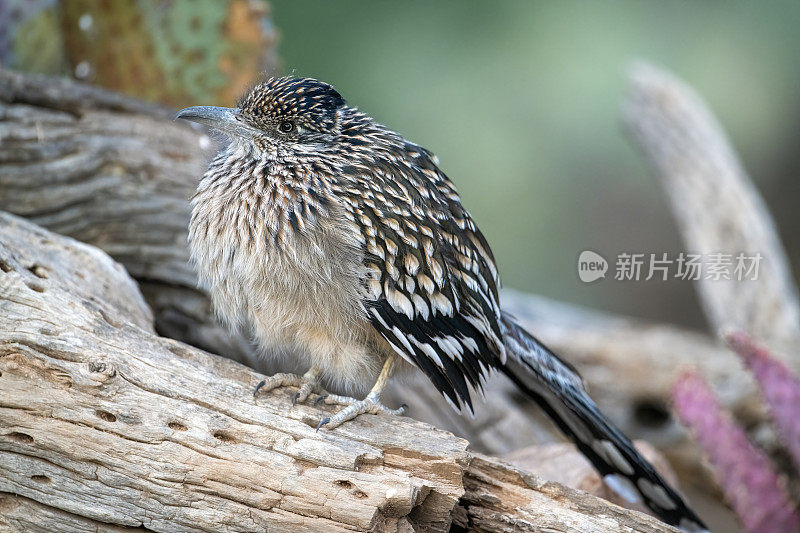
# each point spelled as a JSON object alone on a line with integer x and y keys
{"x": 748, "y": 480}
{"x": 780, "y": 388}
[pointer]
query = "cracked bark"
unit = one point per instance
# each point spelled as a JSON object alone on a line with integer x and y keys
{"x": 105, "y": 425}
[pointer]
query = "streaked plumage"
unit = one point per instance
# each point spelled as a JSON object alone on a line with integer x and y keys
{"x": 345, "y": 245}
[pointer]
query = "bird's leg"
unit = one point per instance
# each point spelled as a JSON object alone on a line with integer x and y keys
{"x": 370, "y": 404}
{"x": 308, "y": 383}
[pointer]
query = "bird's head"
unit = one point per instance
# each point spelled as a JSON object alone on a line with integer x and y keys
{"x": 280, "y": 114}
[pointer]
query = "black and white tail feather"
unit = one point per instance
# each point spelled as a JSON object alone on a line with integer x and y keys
{"x": 558, "y": 389}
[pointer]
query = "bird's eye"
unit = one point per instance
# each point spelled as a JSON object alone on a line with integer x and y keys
{"x": 286, "y": 126}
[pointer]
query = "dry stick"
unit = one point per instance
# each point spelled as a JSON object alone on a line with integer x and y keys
{"x": 716, "y": 206}
{"x": 718, "y": 211}
{"x": 104, "y": 422}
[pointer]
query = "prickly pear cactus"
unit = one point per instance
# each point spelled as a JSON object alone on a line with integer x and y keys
{"x": 173, "y": 52}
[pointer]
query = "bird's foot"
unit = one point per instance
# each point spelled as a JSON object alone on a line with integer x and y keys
{"x": 353, "y": 407}
{"x": 307, "y": 383}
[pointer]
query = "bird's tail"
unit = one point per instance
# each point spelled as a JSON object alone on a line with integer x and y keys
{"x": 558, "y": 389}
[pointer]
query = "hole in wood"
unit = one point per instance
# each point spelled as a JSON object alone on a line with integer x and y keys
{"x": 310, "y": 420}
{"x": 5, "y": 266}
{"x": 177, "y": 426}
{"x": 39, "y": 478}
{"x": 23, "y": 438}
{"x": 651, "y": 413}
{"x": 360, "y": 494}
{"x": 39, "y": 271}
{"x": 343, "y": 483}
{"x": 224, "y": 437}
{"x": 97, "y": 366}
{"x": 38, "y": 287}
{"x": 105, "y": 415}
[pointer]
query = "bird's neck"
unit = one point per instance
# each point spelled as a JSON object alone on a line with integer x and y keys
{"x": 282, "y": 197}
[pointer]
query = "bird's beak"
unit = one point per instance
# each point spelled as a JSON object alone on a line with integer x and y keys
{"x": 216, "y": 117}
{"x": 221, "y": 118}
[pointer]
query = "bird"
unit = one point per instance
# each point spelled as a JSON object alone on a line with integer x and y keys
{"x": 344, "y": 246}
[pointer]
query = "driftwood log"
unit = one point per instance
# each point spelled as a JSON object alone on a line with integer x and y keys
{"x": 718, "y": 210}
{"x": 106, "y": 425}
{"x": 117, "y": 173}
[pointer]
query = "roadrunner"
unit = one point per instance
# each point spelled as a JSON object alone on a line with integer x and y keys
{"x": 344, "y": 245}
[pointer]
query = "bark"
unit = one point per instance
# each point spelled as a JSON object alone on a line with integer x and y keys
{"x": 105, "y": 425}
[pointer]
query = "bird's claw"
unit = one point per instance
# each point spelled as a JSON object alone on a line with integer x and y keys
{"x": 259, "y": 387}
{"x": 320, "y": 399}
{"x": 307, "y": 384}
{"x": 323, "y": 422}
{"x": 353, "y": 407}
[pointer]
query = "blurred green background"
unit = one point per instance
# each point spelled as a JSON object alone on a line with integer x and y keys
{"x": 519, "y": 99}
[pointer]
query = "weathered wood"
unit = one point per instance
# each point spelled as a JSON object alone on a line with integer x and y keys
{"x": 117, "y": 173}
{"x": 716, "y": 206}
{"x": 631, "y": 364}
{"x": 103, "y": 423}
{"x": 104, "y": 419}
{"x": 18, "y": 513}
{"x": 565, "y": 464}
{"x": 501, "y": 498}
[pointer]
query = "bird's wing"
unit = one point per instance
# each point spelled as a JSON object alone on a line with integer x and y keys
{"x": 432, "y": 293}
{"x": 432, "y": 284}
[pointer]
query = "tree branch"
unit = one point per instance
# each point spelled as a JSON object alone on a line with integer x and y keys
{"x": 716, "y": 206}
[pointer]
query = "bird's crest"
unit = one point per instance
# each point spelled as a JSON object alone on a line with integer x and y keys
{"x": 309, "y": 102}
